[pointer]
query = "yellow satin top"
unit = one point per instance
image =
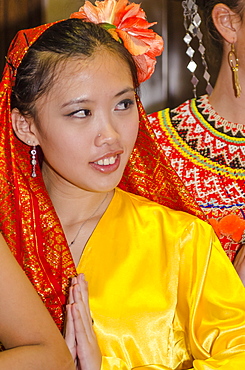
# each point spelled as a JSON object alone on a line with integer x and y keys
{"x": 163, "y": 294}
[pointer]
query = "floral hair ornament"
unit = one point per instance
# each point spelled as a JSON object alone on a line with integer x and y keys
{"x": 127, "y": 23}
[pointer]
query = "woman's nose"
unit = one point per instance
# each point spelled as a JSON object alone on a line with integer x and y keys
{"x": 106, "y": 135}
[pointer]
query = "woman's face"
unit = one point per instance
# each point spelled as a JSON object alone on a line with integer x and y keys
{"x": 88, "y": 122}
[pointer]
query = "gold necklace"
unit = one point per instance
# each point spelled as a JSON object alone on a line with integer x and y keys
{"x": 81, "y": 226}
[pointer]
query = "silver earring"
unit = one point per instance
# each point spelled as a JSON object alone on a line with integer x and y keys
{"x": 99, "y": 135}
{"x": 192, "y": 21}
{"x": 33, "y": 161}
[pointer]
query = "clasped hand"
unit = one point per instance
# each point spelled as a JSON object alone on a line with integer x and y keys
{"x": 239, "y": 263}
{"x": 79, "y": 334}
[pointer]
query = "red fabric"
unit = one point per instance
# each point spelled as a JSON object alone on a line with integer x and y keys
{"x": 27, "y": 218}
{"x": 209, "y": 159}
{"x": 149, "y": 173}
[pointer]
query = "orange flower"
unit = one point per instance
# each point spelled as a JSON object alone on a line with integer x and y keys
{"x": 230, "y": 225}
{"x": 131, "y": 27}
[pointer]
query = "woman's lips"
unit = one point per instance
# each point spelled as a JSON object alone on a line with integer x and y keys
{"x": 107, "y": 164}
{"x": 107, "y": 161}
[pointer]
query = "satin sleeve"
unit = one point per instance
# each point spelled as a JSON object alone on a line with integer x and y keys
{"x": 213, "y": 297}
{"x": 210, "y": 303}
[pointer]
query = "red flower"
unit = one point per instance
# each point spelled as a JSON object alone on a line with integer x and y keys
{"x": 131, "y": 26}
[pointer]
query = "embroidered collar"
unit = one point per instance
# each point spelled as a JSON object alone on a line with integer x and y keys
{"x": 216, "y": 121}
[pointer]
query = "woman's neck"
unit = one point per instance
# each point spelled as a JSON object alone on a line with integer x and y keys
{"x": 223, "y": 98}
{"x": 79, "y": 210}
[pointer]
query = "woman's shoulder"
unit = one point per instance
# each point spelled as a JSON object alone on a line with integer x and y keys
{"x": 176, "y": 231}
{"x": 149, "y": 210}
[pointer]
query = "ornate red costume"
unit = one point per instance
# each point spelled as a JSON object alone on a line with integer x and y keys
{"x": 208, "y": 155}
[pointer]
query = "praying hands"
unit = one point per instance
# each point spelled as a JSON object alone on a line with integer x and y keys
{"x": 79, "y": 335}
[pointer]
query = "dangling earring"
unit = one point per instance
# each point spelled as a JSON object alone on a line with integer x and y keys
{"x": 33, "y": 161}
{"x": 233, "y": 62}
{"x": 192, "y": 22}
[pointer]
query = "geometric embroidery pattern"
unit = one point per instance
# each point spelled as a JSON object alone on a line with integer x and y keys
{"x": 208, "y": 157}
{"x": 213, "y": 137}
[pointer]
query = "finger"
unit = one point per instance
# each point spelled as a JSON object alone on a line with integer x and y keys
{"x": 78, "y": 322}
{"x": 83, "y": 310}
{"x": 82, "y": 303}
{"x": 88, "y": 350}
{"x": 84, "y": 292}
{"x": 70, "y": 336}
{"x": 70, "y": 295}
{"x": 82, "y": 340}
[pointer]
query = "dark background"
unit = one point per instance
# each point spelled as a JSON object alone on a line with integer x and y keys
{"x": 169, "y": 86}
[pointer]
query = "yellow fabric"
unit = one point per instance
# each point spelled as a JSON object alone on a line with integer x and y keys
{"x": 157, "y": 293}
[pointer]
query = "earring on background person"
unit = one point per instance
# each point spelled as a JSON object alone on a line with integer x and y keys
{"x": 233, "y": 62}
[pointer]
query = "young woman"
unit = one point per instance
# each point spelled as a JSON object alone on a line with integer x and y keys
{"x": 27, "y": 331}
{"x": 150, "y": 270}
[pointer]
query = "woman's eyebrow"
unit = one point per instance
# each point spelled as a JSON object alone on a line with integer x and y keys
{"x": 75, "y": 101}
{"x": 128, "y": 89}
{"x": 83, "y": 100}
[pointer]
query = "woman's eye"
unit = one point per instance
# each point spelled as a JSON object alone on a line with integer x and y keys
{"x": 124, "y": 104}
{"x": 81, "y": 113}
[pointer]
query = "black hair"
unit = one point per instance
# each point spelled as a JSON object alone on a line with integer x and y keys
{"x": 206, "y": 6}
{"x": 69, "y": 38}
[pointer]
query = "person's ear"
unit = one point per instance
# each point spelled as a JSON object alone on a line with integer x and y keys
{"x": 226, "y": 22}
{"x": 22, "y": 127}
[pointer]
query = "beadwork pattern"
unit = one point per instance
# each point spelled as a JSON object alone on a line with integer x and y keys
{"x": 207, "y": 152}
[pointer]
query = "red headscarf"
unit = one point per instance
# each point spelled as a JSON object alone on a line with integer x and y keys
{"x": 149, "y": 173}
{"x": 27, "y": 218}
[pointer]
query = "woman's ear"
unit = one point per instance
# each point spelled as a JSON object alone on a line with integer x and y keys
{"x": 22, "y": 127}
{"x": 226, "y": 22}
